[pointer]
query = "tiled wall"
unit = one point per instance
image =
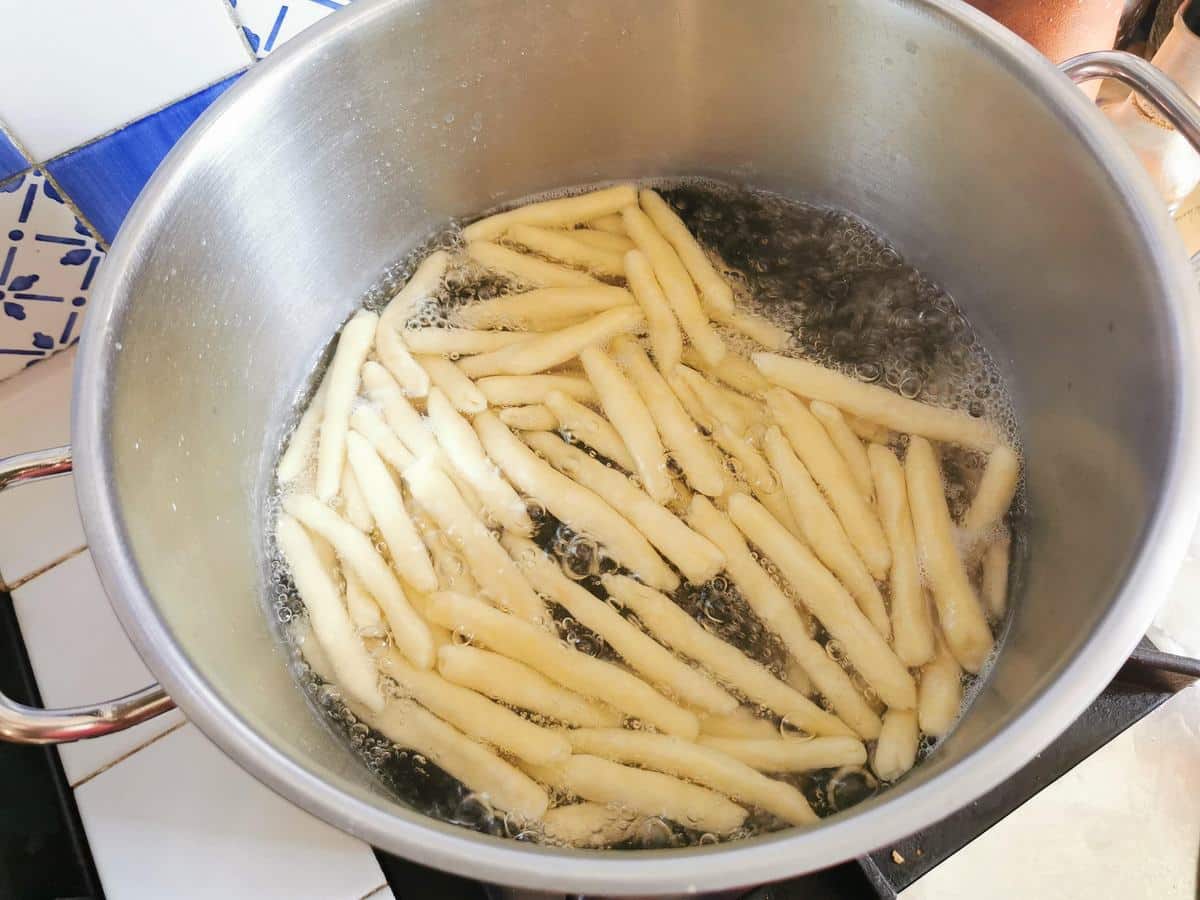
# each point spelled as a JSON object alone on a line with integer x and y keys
{"x": 93, "y": 93}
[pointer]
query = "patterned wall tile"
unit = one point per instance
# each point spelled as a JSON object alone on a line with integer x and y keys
{"x": 12, "y": 160}
{"x": 269, "y": 23}
{"x": 48, "y": 260}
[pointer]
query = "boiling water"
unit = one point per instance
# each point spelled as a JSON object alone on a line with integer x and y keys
{"x": 851, "y": 302}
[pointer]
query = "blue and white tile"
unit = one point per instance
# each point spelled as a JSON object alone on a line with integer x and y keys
{"x": 74, "y": 70}
{"x": 39, "y": 522}
{"x": 80, "y": 655}
{"x": 12, "y": 160}
{"x": 48, "y": 260}
{"x": 104, "y": 177}
{"x": 269, "y": 23}
{"x": 179, "y": 819}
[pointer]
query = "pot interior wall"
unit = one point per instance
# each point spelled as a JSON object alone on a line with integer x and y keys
{"x": 331, "y": 161}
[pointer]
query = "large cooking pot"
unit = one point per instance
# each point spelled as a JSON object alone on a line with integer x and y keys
{"x": 983, "y": 163}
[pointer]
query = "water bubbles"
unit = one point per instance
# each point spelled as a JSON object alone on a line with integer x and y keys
{"x": 848, "y": 786}
{"x": 790, "y": 731}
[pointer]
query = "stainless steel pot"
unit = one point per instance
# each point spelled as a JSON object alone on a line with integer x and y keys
{"x": 981, "y": 161}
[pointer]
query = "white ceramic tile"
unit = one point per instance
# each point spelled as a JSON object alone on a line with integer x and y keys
{"x": 80, "y": 654}
{"x": 38, "y": 522}
{"x": 179, "y": 819}
{"x": 270, "y": 23}
{"x": 48, "y": 261}
{"x": 85, "y": 68}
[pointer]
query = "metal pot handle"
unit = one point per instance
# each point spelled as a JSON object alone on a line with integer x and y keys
{"x": 29, "y": 725}
{"x": 1164, "y": 94}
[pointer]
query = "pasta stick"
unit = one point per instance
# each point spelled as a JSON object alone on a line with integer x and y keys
{"x": 848, "y": 444}
{"x": 701, "y": 765}
{"x": 518, "y": 685}
{"x": 798, "y": 678}
{"x": 387, "y": 505}
{"x": 534, "y": 417}
{"x": 826, "y": 599}
{"x": 941, "y": 693}
{"x": 353, "y": 345}
{"x": 995, "y": 576}
{"x": 560, "y": 211}
{"x": 581, "y": 509}
{"x": 782, "y": 755}
{"x": 364, "y": 612}
{"x": 829, "y": 470}
{"x": 353, "y": 502}
{"x": 564, "y": 247}
{"x": 555, "y": 347}
{"x": 824, "y": 532}
{"x": 896, "y": 751}
{"x": 591, "y": 428}
{"x": 676, "y": 283}
{"x": 735, "y": 371}
{"x": 640, "y": 652}
{"x": 295, "y": 458}
{"x": 453, "y": 573}
{"x": 693, "y": 555}
{"x": 739, "y": 724}
{"x": 329, "y": 620}
{"x": 674, "y": 626}
{"x": 466, "y": 454}
{"x": 612, "y": 223}
{"x": 419, "y": 288}
{"x": 396, "y": 358}
{"x": 511, "y": 637}
{"x": 649, "y": 793}
{"x": 995, "y": 493}
{"x": 666, "y": 339}
{"x": 700, "y": 463}
{"x": 543, "y": 309}
{"x": 722, "y": 407}
{"x": 527, "y": 269}
{"x": 912, "y": 632}
{"x": 358, "y": 553}
{"x": 476, "y": 766}
{"x": 367, "y": 422}
{"x": 868, "y": 431}
{"x": 603, "y": 240}
{"x": 632, "y": 420}
{"x": 382, "y": 390}
{"x": 778, "y": 613}
{"x": 874, "y": 403}
{"x": 590, "y": 824}
{"x": 499, "y": 579}
{"x": 715, "y": 290}
{"x": 474, "y": 714}
{"x": 518, "y": 390}
{"x": 460, "y": 341}
{"x": 963, "y": 622}
{"x": 758, "y": 328}
{"x": 457, "y": 387}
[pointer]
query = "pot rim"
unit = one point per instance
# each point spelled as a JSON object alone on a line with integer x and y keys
{"x": 768, "y": 858}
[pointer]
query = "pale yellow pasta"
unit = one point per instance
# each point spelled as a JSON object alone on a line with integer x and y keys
{"x": 735, "y": 371}
{"x": 330, "y": 622}
{"x": 786, "y": 755}
{"x": 739, "y": 724}
{"x": 590, "y": 824}
{"x": 358, "y": 553}
{"x": 419, "y": 288}
{"x": 369, "y": 423}
{"x": 912, "y": 632}
{"x": 561, "y": 211}
{"x": 460, "y": 390}
{"x": 666, "y": 340}
{"x": 823, "y": 531}
{"x": 383, "y": 496}
{"x": 797, "y": 678}
{"x": 848, "y": 444}
{"x": 896, "y": 750}
{"x": 758, "y": 328}
{"x": 525, "y": 268}
{"x": 453, "y": 573}
{"x": 632, "y": 420}
{"x": 354, "y": 504}
{"x": 639, "y": 651}
{"x": 295, "y": 458}
{"x": 676, "y": 283}
{"x": 649, "y": 793}
{"x": 589, "y": 427}
{"x": 518, "y": 685}
{"x": 829, "y": 470}
{"x": 995, "y": 492}
{"x": 582, "y": 510}
{"x": 868, "y": 431}
{"x": 696, "y": 763}
{"x": 543, "y": 309}
{"x": 553, "y": 348}
{"x": 723, "y": 405}
{"x": 779, "y": 614}
{"x": 715, "y": 290}
{"x": 458, "y": 341}
{"x": 874, "y": 403}
{"x": 995, "y": 576}
{"x": 354, "y": 343}
{"x": 962, "y": 619}
{"x": 534, "y": 417}
{"x": 364, "y": 612}
{"x": 941, "y": 694}
{"x": 520, "y": 390}
{"x": 564, "y": 247}
{"x": 397, "y": 359}
{"x": 611, "y": 223}
{"x": 670, "y": 624}
{"x": 381, "y": 389}
{"x": 603, "y": 240}
{"x": 826, "y": 599}
{"x": 511, "y": 637}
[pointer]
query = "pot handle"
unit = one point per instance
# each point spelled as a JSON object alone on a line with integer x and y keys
{"x": 1163, "y": 94}
{"x": 22, "y": 724}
